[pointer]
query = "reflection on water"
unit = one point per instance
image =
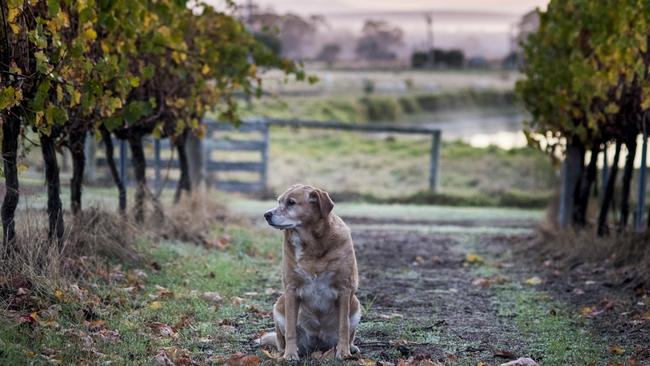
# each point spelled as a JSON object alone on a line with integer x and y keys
{"x": 480, "y": 127}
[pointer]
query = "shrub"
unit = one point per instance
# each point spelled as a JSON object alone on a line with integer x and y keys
{"x": 381, "y": 108}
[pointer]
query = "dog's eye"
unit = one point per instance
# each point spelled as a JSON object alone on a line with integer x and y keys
{"x": 291, "y": 202}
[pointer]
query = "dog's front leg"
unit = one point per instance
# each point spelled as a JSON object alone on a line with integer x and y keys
{"x": 291, "y": 312}
{"x": 343, "y": 345}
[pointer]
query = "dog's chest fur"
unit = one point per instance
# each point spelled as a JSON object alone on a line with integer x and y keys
{"x": 315, "y": 291}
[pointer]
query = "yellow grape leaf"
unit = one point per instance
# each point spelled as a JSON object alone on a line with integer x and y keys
{"x": 205, "y": 70}
{"x": 59, "y": 93}
{"x": 155, "y": 305}
{"x": 76, "y": 98}
{"x": 90, "y": 34}
{"x": 14, "y": 28}
{"x": 13, "y": 13}
{"x": 134, "y": 81}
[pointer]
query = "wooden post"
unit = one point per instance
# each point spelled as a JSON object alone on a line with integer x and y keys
{"x": 123, "y": 160}
{"x": 434, "y": 167}
{"x": 570, "y": 172}
{"x": 156, "y": 152}
{"x": 643, "y": 171}
{"x": 265, "y": 158}
{"x": 195, "y": 159}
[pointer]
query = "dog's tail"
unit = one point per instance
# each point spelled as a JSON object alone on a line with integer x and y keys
{"x": 268, "y": 339}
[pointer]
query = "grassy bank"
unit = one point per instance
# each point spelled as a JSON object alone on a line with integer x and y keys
{"x": 361, "y": 108}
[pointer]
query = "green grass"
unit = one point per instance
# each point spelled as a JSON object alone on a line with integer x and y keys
{"x": 187, "y": 271}
{"x": 360, "y": 108}
{"x": 394, "y": 168}
{"x": 554, "y": 333}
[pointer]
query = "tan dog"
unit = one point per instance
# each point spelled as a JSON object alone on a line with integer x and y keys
{"x": 319, "y": 309}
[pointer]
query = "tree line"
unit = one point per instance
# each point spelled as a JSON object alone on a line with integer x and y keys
{"x": 586, "y": 86}
{"x": 77, "y": 69}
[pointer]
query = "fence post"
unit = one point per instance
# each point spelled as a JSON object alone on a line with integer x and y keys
{"x": 265, "y": 157}
{"x": 643, "y": 171}
{"x": 124, "y": 176}
{"x": 156, "y": 156}
{"x": 195, "y": 159}
{"x": 91, "y": 162}
{"x": 434, "y": 167}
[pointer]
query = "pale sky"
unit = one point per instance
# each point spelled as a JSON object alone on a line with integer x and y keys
{"x": 479, "y": 27}
{"x": 337, "y": 6}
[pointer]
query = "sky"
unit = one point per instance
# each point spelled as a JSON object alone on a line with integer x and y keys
{"x": 479, "y": 27}
{"x": 338, "y": 6}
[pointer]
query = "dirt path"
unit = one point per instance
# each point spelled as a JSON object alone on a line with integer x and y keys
{"x": 465, "y": 298}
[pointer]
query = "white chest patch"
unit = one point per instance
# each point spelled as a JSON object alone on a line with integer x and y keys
{"x": 297, "y": 244}
{"x": 316, "y": 292}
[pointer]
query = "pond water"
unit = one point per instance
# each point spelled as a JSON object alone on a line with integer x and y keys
{"x": 479, "y": 127}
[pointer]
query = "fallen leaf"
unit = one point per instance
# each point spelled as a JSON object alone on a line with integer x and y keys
{"x": 391, "y": 316}
{"x": 616, "y": 350}
{"x": 481, "y": 363}
{"x": 275, "y": 356}
{"x": 590, "y": 312}
{"x": 94, "y": 325}
{"x": 59, "y": 294}
{"x": 161, "y": 358}
{"x": 533, "y": 281}
{"x": 482, "y": 282}
{"x": 366, "y": 362}
{"x": 163, "y": 292}
{"x": 523, "y": 361}
{"x": 29, "y": 318}
{"x": 240, "y": 359}
{"x": 473, "y": 258}
{"x": 162, "y": 329}
{"x": 212, "y": 297}
{"x": 324, "y": 356}
{"x": 219, "y": 243}
{"x": 155, "y": 305}
{"x": 22, "y": 291}
{"x": 237, "y": 300}
{"x": 503, "y": 354}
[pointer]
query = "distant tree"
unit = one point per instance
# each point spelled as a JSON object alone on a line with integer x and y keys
{"x": 419, "y": 59}
{"x": 293, "y": 32}
{"x": 378, "y": 41}
{"x": 329, "y": 53}
{"x": 442, "y": 58}
{"x": 269, "y": 40}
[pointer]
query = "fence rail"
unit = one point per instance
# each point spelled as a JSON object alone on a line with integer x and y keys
{"x": 217, "y": 140}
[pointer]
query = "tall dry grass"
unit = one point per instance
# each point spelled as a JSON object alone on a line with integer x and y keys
{"x": 97, "y": 237}
{"x": 629, "y": 251}
{"x": 91, "y": 238}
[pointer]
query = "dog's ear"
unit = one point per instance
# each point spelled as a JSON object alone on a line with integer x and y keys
{"x": 323, "y": 200}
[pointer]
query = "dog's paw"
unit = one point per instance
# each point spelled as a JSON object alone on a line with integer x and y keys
{"x": 291, "y": 356}
{"x": 343, "y": 353}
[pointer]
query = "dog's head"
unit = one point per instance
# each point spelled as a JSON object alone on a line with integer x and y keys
{"x": 300, "y": 205}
